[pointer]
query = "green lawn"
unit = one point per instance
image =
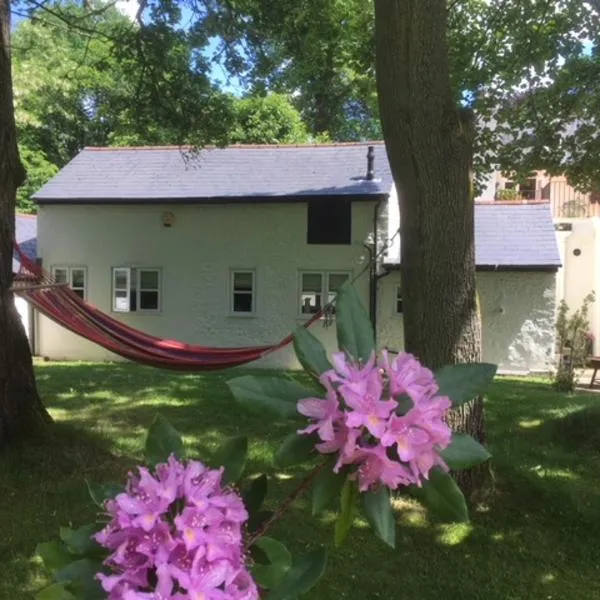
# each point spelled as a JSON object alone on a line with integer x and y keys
{"x": 536, "y": 536}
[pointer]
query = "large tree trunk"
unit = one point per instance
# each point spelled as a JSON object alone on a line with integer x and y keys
{"x": 21, "y": 410}
{"x": 429, "y": 144}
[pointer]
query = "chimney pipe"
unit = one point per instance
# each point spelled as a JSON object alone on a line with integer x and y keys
{"x": 370, "y": 163}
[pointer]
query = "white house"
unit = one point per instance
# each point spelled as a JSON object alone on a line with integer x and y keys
{"x": 235, "y": 247}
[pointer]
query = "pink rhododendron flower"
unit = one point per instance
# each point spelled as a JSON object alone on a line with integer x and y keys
{"x": 360, "y": 421}
{"x": 176, "y": 535}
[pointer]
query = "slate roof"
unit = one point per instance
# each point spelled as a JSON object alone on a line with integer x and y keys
{"x": 235, "y": 173}
{"x": 26, "y": 237}
{"x": 510, "y": 235}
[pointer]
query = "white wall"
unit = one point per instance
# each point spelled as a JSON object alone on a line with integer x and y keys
{"x": 23, "y": 309}
{"x": 196, "y": 255}
{"x": 518, "y": 314}
{"x": 580, "y": 255}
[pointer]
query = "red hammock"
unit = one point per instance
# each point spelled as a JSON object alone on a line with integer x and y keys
{"x": 62, "y": 305}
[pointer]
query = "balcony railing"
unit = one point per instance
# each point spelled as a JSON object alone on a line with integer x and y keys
{"x": 566, "y": 202}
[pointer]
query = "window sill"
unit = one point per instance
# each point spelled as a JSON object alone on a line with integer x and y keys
{"x": 149, "y": 313}
{"x": 242, "y": 315}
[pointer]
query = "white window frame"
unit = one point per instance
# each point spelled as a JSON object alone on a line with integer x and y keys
{"x": 398, "y": 292}
{"x": 69, "y": 271}
{"x": 138, "y": 290}
{"x": 232, "y": 292}
{"x": 325, "y": 288}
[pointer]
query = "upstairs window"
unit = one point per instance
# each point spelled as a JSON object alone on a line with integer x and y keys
{"x": 329, "y": 221}
{"x": 136, "y": 290}
{"x": 75, "y": 277}
{"x": 318, "y": 289}
{"x": 242, "y": 293}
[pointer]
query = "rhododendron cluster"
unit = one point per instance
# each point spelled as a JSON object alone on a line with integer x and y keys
{"x": 176, "y": 535}
{"x": 387, "y": 420}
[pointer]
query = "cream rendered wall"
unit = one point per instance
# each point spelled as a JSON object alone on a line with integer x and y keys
{"x": 23, "y": 309}
{"x": 580, "y": 255}
{"x": 195, "y": 256}
{"x": 518, "y": 313}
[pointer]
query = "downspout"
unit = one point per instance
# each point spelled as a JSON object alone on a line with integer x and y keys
{"x": 373, "y": 275}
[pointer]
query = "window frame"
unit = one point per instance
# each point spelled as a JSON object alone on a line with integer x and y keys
{"x": 69, "y": 269}
{"x": 398, "y": 292}
{"x": 324, "y": 292}
{"x": 130, "y": 272}
{"x": 232, "y": 292}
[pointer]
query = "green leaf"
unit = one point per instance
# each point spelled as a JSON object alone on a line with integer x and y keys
{"x": 442, "y": 497}
{"x": 276, "y": 394}
{"x": 461, "y": 383}
{"x": 279, "y": 558}
{"x": 255, "y": 494}
{"x": 55, "y": 554}
{"x": 82, "y": 575}
{"x": 257, "y": 520}
{"x": 327, "y": 486}
{"x": 464, "y": 452}
{"x": 80, "y": 540}
{"x": 232, "y": 455}
{"x": 162, "y": 441}
{"x": 345, "y": 519}
{"x": 304, "y": 574}
{"x": 310, "y": 352}
{"x": 296, "y": 449}
{"x": 354, "y": 327}
{"x": 101, "y": 492}
{"x": 378, "y": 510}
{"x": 55, "y": 591}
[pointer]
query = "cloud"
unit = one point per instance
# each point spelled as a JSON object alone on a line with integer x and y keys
{"x": 128, "y": 7}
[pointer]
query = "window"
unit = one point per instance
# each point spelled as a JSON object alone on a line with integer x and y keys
{"x": 316, "y": 286}
{"x": 76, "y": 277}
{"x": 398, "y": 300}
{"x": 329, "y": 221}
{"x": 242, "y": 292}
{"x": 136, "y": 290}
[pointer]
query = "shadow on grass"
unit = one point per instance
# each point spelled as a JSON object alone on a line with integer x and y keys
{"x": 534, "y": 539}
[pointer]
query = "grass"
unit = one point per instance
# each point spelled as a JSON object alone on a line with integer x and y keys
{"x": 535, "y": 537}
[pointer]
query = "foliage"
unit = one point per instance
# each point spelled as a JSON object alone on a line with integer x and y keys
{"x": 39, "y": 171}
{"x": 574, "y": 342}
{"x": 90, "y": 558}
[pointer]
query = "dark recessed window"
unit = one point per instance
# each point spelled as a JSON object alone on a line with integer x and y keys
{"x": 329, "y": 221}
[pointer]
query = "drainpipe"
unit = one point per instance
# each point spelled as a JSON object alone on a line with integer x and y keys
{"x": 373, "y": 275}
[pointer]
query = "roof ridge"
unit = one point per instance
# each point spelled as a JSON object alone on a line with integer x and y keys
{"x": 236, "y": 146}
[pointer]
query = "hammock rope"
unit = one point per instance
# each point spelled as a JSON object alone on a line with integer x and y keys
{"x": 61, "y": 304}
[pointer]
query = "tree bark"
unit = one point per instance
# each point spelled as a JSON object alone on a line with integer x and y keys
{"x": 21, "y": 411}
{"x": 429, "y": 145}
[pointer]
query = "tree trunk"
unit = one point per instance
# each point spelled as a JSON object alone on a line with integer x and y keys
{"x": 21, "y": 410}
{"x": 429, "y": 145}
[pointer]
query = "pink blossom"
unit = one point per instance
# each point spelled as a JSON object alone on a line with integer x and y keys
{"x": 176, "y": 534}
{"x": 408, "y": 376}
{"x": 375, "y": 466}
{"x": 325, "y": 411}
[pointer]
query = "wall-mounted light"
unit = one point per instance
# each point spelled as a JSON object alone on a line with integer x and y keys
{"x": 168, "y": 219}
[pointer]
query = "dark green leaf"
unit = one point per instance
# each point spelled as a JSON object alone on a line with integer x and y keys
{"x": 378, "y": 510}
{"x": 55, "y": 554}
{"x": 461, "y": 383}
{"x": 442, "y": 497}
{"x": 232, "y": 455}
{"x": 296, "y": 449}
{"x": 255, "y": 494}
{"x": 56, "y": 591}
{"x": 327, "y": 486}
{"x": 257, "y": 520}
{"x": 464, "y": 452}
{"x": 276, "y": 394}
{"x": 82, "y": 575}
{"x": 345, "y": 519}
{"x": 304, "y": 574}
{"x": 310, "y": 352}
{"x": 162, "y": 441}
{"x": 80, "y": 540}
{"x": 101, "y": 492}
{"x": 354, "y": 327}
{"x": 405, "y": 403}
{"x": 279, "y": 560}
